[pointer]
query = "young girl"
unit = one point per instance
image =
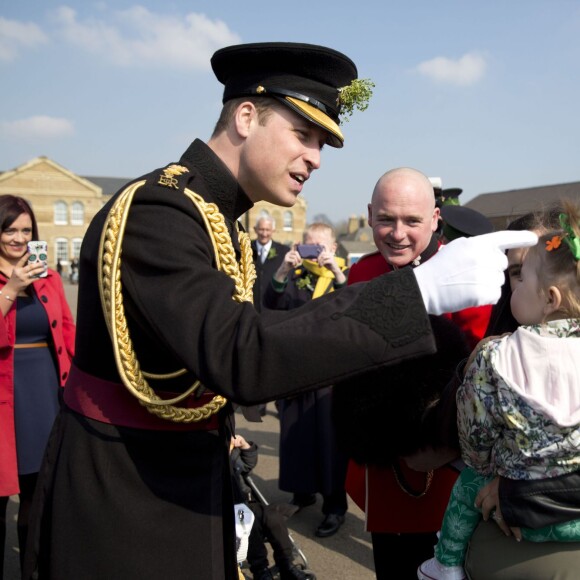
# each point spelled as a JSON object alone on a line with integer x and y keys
{"x": 519, "y": 404}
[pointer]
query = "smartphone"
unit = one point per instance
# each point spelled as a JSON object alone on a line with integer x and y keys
{"x": 309, "y": 251}
{"x": 38, "y": 251}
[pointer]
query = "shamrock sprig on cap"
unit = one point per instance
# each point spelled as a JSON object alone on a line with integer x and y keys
{"x": 356, "y": 95}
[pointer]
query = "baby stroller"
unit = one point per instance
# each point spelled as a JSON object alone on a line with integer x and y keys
{"x": 287, "y": 511}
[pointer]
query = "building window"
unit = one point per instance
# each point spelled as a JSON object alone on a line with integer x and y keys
{"x": 62, "y": 250}
{"x": 288, "y": 221}
{"x": 77, "y": 214}
{"x": 76, "y": 247}
{"x": 60, "y": 211}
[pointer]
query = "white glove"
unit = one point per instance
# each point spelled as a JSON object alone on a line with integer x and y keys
{"x": 468, "y": 271}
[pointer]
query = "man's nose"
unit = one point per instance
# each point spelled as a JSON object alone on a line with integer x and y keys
{"x": 398, "y": 231}
{"x": 313, "y": 158}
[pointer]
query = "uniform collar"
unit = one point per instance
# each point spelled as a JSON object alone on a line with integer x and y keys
{"x": 219, "y": 180}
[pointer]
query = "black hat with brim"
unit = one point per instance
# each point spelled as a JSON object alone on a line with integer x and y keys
{"x": 305, "y": 77}
{"x": 463, "y": 222}
{"x": 450, "y": 195}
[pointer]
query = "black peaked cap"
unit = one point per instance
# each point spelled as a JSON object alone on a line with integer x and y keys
{"x": 305, "y": 77}
{"x": 460, "y": 221}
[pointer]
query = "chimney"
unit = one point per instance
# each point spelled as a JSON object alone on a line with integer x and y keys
{"x": 352, "y": 224}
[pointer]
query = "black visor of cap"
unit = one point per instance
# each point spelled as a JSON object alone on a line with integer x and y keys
{"x": 460, "y": 221}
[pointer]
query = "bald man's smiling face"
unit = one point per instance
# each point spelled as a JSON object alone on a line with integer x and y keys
{"x": 403, "y": 217}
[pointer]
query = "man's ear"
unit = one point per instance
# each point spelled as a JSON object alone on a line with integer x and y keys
{"x": 553, "y": 300}
{"x": 435, "y": 219}
{"x": 243, "y": 117}
{"x": 370, "y": 214}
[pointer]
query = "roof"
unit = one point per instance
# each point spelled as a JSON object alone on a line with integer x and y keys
{"x": 517, "y": 202}
{"x": 356, "y": 247}
{"x": 109, "y": 185}
{"x": 361, "y": 234}
{"x": 40, "y": 163}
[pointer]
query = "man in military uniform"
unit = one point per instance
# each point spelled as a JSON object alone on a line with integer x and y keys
{"x": 404, "y": 215}
{"x": 136, "y": 481}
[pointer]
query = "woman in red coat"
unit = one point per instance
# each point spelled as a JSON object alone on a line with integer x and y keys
{"x": 36, "y": 346}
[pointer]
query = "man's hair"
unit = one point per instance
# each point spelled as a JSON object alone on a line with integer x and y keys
{"x": 320, "y": 227}
{"x": 264, "y": 106}
{"x": 267, "y": 218}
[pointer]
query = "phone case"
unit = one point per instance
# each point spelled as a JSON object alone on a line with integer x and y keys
{"x": 38, "y": 251}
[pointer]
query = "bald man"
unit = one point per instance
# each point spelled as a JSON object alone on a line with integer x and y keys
{"x": 403, "y": 507}
{"x": 403, "y": 216}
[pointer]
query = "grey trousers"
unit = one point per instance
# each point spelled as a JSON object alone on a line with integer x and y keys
{"x": 493, "y": 556}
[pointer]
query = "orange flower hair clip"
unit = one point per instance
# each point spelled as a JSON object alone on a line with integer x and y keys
{"x": 554, "y": 243}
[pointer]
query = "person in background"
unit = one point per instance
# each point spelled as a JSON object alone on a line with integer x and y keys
{"x": 404, "y": 507}
{"x": 37, "y": 334}
{"x": 270, "y": 522}
{"x": 310, "y": 462}
{"x": 268, "y": 255}
{"x": 168, "y": 340}
{"x": 518, "y": 405}
{"x": 74, "y": 271}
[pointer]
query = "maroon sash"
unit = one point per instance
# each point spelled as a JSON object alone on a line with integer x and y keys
{"x": 112, "y": 403}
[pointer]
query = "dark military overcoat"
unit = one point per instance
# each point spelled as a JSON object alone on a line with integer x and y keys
{"x": 130, "y": 503}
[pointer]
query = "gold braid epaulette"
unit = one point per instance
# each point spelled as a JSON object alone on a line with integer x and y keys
{"x": 135, "y": 380}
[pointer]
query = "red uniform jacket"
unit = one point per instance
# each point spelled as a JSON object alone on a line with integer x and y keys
{"x": 374, "y": 489}
{"x": 52, "y": 297}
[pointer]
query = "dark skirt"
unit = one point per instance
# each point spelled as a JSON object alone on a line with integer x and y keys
{"x": 310, "y": 461}
{"x": 119, "y": 503}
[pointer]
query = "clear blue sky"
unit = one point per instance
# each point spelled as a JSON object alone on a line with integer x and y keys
{"x": 484, "y": 94}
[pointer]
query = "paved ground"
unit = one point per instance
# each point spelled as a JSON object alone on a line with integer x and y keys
{"x": 347, "y": 555}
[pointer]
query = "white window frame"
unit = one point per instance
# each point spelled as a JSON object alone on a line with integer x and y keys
{"x": 77, "y": 213}
{"x": 60, "y": 209}
{"x": 61, "y": 251}
{"x": 76, "y": 248}
{"x": 288, "y": 218}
